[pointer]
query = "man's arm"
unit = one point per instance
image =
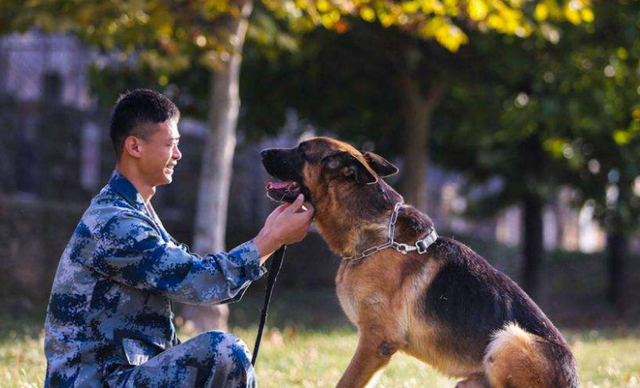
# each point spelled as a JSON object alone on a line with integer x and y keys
{"x": 130, "y": 251}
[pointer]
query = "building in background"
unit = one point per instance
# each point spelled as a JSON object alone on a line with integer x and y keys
{"x": 40, "y": 76}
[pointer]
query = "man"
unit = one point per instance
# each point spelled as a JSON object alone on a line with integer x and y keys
{"x": 109, "y": 321}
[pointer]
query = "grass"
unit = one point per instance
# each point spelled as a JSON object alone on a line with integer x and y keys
{"x": 309, "y": 344}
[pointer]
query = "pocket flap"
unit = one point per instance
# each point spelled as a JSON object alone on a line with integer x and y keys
{"x": 138, "y": 352}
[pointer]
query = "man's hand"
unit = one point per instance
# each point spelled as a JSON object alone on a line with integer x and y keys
{"x": 287, "y": 224}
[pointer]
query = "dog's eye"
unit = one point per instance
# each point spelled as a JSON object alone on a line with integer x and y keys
{"x": 302, "y": 154}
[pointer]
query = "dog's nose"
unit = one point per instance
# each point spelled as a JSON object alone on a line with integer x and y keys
{"x": 264, "y": 153}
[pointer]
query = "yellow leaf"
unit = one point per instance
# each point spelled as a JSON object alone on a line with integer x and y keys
{"x": 329, "y": 19}
{"x": 542, "y": 12}
{"x": 445, "y": 33}
{"x": 496, "y": 22}
{"x": 411, "y": 6}
{"x": 478, "y": 9}
{"x": 367, "y": 14}
{"x": 622, "y": 53}
{"x": 587, "y": 15}
{"x": 621, "y": 137}
{"x": 572, "y": 15}
{"x": 387, "y": 20}
{"x": 555, "y": 146}
{"x": 434, "y": 7}
{"x": 323, "y": 6}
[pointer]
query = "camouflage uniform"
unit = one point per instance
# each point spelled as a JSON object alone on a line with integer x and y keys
{"x": 109, "y": 321}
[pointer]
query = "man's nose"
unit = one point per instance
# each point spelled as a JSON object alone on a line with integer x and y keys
{"x": 177, "y": 155}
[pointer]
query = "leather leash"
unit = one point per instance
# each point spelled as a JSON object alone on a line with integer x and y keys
{"x": 274, "y": 268}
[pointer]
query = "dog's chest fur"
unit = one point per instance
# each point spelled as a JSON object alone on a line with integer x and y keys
{"x": 349, "y": 294}
{"x": 390, "y": 295}
{"x": 360, "y": 287}
{"x": 348, "y": 302}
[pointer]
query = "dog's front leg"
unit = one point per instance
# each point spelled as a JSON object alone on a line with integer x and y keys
{"x": 373, "y": 353}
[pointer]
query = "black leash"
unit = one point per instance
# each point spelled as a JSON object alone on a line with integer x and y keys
{"x": 276, "y": 264}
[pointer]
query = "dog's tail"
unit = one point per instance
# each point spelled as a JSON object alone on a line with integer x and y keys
{"x": 516, "y": 358}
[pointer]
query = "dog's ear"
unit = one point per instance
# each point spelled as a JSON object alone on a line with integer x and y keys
{"x": 380, "y": 165}
{"x": 350, "y": 165}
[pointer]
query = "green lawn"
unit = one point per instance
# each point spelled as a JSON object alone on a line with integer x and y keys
{"x": 311, "y": 345}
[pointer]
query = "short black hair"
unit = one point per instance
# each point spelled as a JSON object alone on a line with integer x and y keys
{"x": 136, "y": 108}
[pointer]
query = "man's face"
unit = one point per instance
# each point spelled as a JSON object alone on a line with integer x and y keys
{"x": 160, "y": 154}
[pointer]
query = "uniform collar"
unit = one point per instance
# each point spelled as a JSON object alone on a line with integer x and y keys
{"x": 126, "y": 189}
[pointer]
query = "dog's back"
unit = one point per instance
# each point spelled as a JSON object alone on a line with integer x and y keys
{"x": 488, "y": 319}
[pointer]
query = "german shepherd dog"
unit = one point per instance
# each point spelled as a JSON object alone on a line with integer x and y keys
{"x": 447, "y": 306}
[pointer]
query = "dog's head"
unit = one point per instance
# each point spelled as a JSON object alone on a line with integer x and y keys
{"x": 322, "y": 167}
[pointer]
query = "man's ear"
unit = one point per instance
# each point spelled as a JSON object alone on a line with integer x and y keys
{"x": 350, "y": 165}
{"x": 380, "y": 165}
{"x": 132, "y": 146}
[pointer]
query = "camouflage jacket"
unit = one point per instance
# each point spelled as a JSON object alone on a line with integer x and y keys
{"x": 110, "y": 305}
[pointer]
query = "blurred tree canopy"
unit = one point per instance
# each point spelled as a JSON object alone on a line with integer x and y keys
{"x": 166, "y": 35}
{"x": 440, "y": 20}
{"x": 387, "y": 58}
{"x": 169, "y": 36}
{"x": 550, "y": 115}
{"x": 386, "y": 64}
{"x": 175, "y": 37}
{"x": 601, "y": 144}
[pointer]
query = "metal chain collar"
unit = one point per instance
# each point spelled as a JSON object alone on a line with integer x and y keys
{"x": 421, "y": 245}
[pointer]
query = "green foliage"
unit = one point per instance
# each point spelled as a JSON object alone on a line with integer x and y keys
{"x": 188, "y": 86}
{"x": 545, "y": 114}
{"x": 340, "y": 83}
{"x": 169, "y": 36}
{"x": 347, "y": 81}
{"x": 603, "y": 143}
{"x": 166, "y": 35}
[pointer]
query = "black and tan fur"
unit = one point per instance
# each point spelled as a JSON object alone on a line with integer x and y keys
{"x": 448, "y": 307}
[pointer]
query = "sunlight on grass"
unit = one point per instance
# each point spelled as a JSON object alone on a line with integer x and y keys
{"x": 22, "y": 362}
{"x": 316, "y": 358}
{"x": 608, "y": 361}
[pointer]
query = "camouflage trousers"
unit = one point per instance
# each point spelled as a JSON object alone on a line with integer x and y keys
{"x": 213, "y": 359}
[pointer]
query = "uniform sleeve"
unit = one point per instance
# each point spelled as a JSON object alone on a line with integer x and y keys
{"x": 130, "y": 250}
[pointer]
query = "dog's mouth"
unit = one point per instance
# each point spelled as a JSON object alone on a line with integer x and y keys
{"x": 283, "y": 191}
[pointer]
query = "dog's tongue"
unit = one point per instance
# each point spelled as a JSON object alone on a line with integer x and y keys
{"x": 280, "y": 185}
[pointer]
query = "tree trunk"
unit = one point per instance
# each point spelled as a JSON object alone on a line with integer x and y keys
{"x": 215, "y": 175}
{"x": 533, "y": 244}
{"x": 418, "y": 111}
{"x": 616, "y": 251}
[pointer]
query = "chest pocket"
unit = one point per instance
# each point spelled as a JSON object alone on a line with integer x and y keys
{"x": 138, "y": 352}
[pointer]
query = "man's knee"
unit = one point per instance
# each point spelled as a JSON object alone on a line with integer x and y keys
{"x": 231, "y": 359}
{"x": 217, "y": 339}
{"x": 226, "y": 347}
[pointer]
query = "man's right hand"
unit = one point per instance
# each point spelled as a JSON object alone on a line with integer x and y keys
{"x": 287, "y": 224}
